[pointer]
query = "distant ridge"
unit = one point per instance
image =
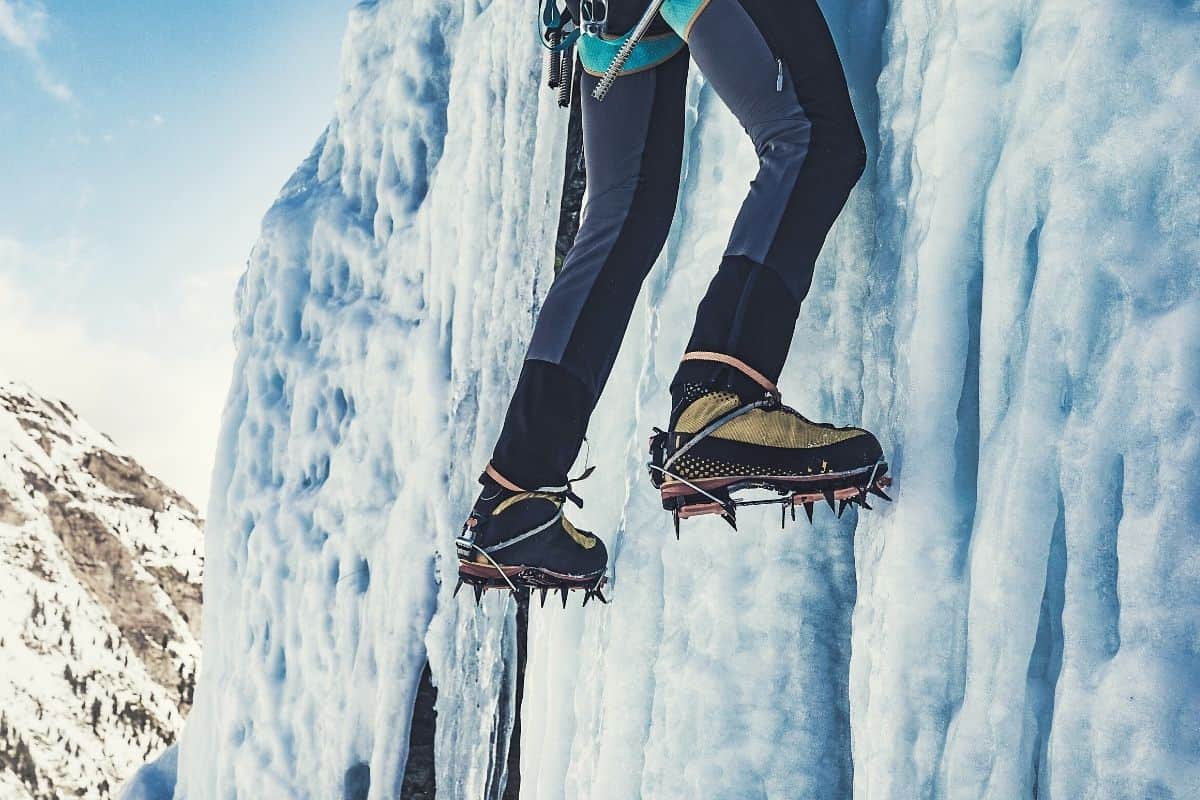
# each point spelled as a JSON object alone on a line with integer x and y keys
{"x": 100, "y": 591}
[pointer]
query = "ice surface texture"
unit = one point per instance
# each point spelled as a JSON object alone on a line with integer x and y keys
{"x": 1010, "y": 301}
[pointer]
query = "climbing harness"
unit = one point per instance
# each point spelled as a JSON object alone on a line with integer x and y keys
{"x": 626, "y": 51}
{"x": 603, "y": 55}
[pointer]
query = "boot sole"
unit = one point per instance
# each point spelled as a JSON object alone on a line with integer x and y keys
{"x": 845, "y": 486}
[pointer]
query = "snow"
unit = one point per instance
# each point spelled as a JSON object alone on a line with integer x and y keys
{"x": 1010, "y": 300}
{"x": 81, "y": 684}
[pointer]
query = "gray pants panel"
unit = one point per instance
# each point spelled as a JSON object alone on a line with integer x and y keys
{"x": 632, "y": 148}
{"x": 758, "y": 90}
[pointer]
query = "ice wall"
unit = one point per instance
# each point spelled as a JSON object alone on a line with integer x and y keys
{"x": 1010, "y": 300}
{"x": 1027, "y": 619}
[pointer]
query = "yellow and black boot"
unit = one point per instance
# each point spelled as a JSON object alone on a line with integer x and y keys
{"x": 720, "y": 444}
{"x": 518, "y": 539}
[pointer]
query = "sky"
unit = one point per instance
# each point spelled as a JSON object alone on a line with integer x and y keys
{"x": 140, "y": 145}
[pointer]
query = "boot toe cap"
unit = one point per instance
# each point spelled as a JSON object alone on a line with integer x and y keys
{"x": 596, "y": 557}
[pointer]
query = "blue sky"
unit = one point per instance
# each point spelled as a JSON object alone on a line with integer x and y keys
{"x": 140, "y": 145}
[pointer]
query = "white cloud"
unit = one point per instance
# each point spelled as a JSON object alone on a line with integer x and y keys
{"x": 159, "y": 402}
{"x": 149, "y": 121}
{"x": 52, "y": 85}
{"x": 24, "y": 25}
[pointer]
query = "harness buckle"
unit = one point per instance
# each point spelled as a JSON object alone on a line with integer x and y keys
{"x": 595, "y": 17}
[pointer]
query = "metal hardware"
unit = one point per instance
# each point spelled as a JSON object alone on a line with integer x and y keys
{"x": 595, "y": 17}
{"x": 623, "y": 55}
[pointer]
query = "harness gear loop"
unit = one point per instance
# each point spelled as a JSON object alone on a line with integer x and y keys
{"x": 554, "y": 21}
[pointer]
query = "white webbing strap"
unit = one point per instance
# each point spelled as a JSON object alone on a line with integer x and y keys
{"x": 717, "y": 423}
{"x": 527, "y": 534}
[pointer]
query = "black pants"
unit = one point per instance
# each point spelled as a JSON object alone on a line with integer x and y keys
{"x": 774, "y": 64}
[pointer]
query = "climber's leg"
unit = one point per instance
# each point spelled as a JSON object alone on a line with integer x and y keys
{"x": 633, "y": 145}
{"x": 774, "y": 64}
{"x": 517, "y": 534}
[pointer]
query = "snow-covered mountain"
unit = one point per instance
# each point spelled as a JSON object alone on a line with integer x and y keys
{"x": 100, "y": 568}
{"x": 1010, "y": 300}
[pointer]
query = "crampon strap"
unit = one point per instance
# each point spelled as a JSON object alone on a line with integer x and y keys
{"x": 741, "y": 366}
{"x": 771, "y": 399}
{"x": 766, "y": 402}
{"x": 466, "y": 542}
{"x": 563, "y": 491}
{"x": 548, "y": 524}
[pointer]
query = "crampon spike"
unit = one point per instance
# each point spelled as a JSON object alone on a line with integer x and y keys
{"x": 808, "y": 509}
{"x": 564, "y": 591}
{"x": 478, "y": 587}
{"x": 457, "y": 587}
{"x": 829, "y": 499}
{"x": 861, "y": 499}
{"x": 842, "y": 506}
{"x": 730, "y": 518}
{"x": 587, "y": 595}
{"x": 877, "y": 490}
{"x": 793, "y": 505}
{"x": 675, "y": 514}
{"x": 783, "y": 516}
{"x": 543, "y": 591}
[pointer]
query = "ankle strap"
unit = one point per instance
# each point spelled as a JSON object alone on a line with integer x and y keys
{"x": 491, "y": 472}
{"x": 564, "y": 490}
{"x": 741, "y": 366}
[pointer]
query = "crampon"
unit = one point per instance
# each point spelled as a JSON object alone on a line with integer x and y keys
{"x": 724, "y": 496}
{"x": 723, "y": 453}
{"x": 519, "y": 580}
{"x": 519, "y": 541}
